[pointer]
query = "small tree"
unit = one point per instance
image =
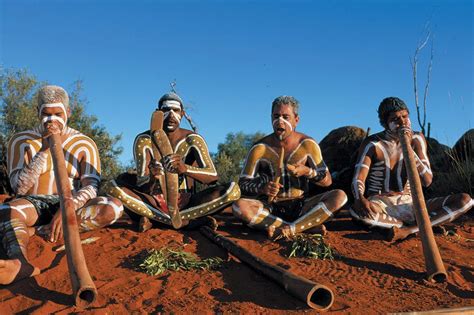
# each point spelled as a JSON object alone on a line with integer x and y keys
{"x": 231, "y": 154}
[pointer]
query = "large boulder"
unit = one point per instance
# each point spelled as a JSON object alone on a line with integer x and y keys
{"x": 463, "y": 150}
{"x": 439, "y": 155}
{"x": 339, "y": 149}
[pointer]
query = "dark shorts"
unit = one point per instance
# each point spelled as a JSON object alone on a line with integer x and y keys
{"x": 288, "y": 210}
{"x": 46, "y": 206}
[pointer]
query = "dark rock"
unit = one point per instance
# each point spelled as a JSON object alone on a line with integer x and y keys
{"x": 439, "y": 155}
{"x": 339, "y": 149}
{"x": 464, "y": 147}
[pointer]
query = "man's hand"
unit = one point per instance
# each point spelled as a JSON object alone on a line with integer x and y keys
{"x": 298, "y": 170}
{"x": 271, "y": 189}
{"x": 406, "y": 130}
{"x": 174, "y": 164}
{"x": 365, "y": 208}
{"x": 56, "y": 227}
{"x": 50, "y": 128}
{"x": 156, "y": 168}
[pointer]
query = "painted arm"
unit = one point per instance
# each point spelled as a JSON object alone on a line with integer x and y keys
{"x": 315, "y": 169}
{"x": 25, "y": 175}
{"x": 142, "y": 155}
{"x": 204, "y": 172}
{"x": 89, "y": 172}
{"x": 24, "y": 164}
{"x": 362, "y": 205}
{"x": 423, "y": 166}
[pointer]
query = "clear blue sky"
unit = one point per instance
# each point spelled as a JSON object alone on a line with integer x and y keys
{"x": 232, "y": 58}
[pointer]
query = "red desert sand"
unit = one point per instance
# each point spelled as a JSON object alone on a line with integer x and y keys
{"x": 369, "y": 275}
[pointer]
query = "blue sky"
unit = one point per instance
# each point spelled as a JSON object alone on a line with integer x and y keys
{"x": 232, "y": 58}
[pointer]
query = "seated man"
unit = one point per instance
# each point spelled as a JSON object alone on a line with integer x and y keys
{"x": 143, "y": 194}
{"x": 275, "y": 187}
{"x": 380, "y": 186}
{"x": 31, "y": 173}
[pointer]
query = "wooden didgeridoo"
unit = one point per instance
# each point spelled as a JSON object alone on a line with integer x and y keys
{"x": 434, "y": 264}
{"x": 280, "y": 171}
{"x": 315, "y": 295}
{"x": 84, "y": 290}
{"x": 162, "y": 143}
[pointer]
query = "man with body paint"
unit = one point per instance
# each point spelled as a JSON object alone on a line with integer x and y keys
{"x": 30, "y": 168}
{"x": 284, "y": 207}
{"x": 191, "y": 160}
{"x": 380, "y": 186}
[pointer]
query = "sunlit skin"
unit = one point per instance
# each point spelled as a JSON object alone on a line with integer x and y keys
{"x": 395, "y": 120}
{"x": 171, "y": 126}
{"x": 284, "y": 122}
{"x": 19, "y": 267}
{"x": 289, "y": 139}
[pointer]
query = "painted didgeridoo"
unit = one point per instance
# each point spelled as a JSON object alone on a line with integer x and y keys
{"x": 315, "y": 295}
{"x": 435, "y": 270}
{"x": 84, "y": 290}
{"x": 161, "y": 142}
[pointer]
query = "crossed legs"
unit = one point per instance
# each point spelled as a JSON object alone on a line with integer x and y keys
{"x": 314, "y": 212}
{"x": 19, "y": 216}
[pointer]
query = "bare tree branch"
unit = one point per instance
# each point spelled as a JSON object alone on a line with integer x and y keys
{"x": 427, "y": 85}
{"x": 414, "y": 66}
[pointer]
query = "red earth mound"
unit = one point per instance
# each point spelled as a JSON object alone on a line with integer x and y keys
{"x": 369, "y": 275}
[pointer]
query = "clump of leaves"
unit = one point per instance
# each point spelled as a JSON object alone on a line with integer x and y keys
{"x": 160, "y": 260}
{"x": 310, "y": 246}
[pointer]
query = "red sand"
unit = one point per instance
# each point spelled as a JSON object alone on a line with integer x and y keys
{"x": 370, "y": 276}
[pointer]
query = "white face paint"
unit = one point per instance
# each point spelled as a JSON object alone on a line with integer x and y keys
{"x": 393, "y": 126}
{"x": 48, "y": 118}
{"x": 283, "y": 120}
{"x": 170, "y": 106}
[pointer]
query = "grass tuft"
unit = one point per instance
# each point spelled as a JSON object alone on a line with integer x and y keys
{"x": 159, "y": 261}
{"x": 310, "y": 246}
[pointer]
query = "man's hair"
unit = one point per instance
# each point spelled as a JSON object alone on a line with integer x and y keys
{"x": 52, "y": 94}
{"x": 390, "y": 105}
{"x": 287, "y": 100}
{"x": 170, "y": 97}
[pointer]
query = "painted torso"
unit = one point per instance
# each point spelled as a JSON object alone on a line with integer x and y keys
{"x": 386, "y": 172}
{"x": 80, "y": 152}
{"x": 262, "y": 165}
{"x": 192, "y": 148}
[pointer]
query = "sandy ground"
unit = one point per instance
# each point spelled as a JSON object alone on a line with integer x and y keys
{"x": 370, "y": 275}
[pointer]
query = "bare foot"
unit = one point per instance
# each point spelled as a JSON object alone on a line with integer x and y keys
{"x": 398, "y": 234}
{"x": 283, "y": 231}
{"x": 320, "y": 229}
{"x": 144, "y": 224}
{"x": 13, "y": 270}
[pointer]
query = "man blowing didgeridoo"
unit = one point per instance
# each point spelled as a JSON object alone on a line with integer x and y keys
{"x": 31, "y": 173}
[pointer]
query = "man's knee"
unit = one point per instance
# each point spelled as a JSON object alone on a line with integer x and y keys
{"x": 460, "y": 202}
{"x": 336, "y": 198}
{"x": 110, "y": 210}
{"x": 245, "y": 209}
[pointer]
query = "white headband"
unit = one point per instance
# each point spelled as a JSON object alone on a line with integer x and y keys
{"x": 171, "y": 104}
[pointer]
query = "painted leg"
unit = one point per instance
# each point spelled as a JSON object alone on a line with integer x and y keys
{"x": 441, "y": 210}
{"x": 382, "y": 219}
{"x": 316, "y": 210}
{"x": 253, "y": 213}
{"x": 210, "y": 201}
{"x": 137, "y": 203}
{"x": 99, "y": 212}
{"x": 15, "y": 218}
